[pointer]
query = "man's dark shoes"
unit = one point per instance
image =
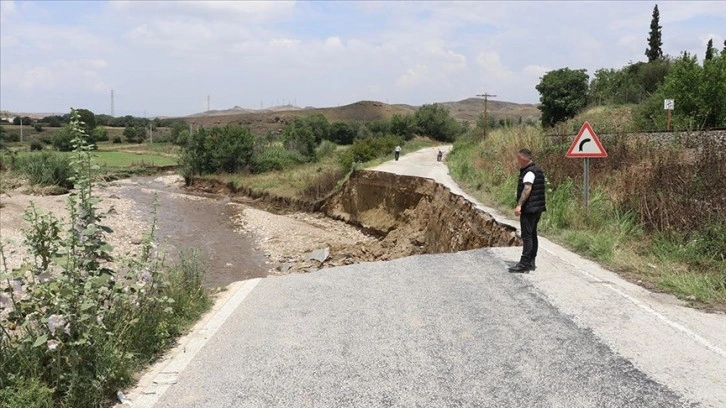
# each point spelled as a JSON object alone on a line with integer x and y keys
{"x": 520, "y": 268}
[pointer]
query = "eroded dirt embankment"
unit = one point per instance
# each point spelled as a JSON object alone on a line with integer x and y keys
{"x": 416, "y": 212}
{"x": 407, "y": 216}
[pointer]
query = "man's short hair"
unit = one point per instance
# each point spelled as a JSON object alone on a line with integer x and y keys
{"x": 526, "y": 153}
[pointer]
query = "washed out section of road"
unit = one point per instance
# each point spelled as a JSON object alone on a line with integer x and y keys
{"x": 435, "y": 330}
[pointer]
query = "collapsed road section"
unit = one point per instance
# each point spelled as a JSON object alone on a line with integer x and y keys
{"x": 416, "y": 212}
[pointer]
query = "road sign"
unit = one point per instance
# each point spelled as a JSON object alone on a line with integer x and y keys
{"x": 586, "y": 144}
{"x": 668, "y": 104}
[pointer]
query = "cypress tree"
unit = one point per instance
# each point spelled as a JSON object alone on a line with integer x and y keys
{"x": 709, "y": 49}
{"x": 654, "y": 52}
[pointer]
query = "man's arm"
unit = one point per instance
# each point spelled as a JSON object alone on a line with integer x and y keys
{"x": 525, "y": 194}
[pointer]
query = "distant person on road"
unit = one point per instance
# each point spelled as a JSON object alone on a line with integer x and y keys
{"x": 440, "y": 156}
{"x": 529, "y": 209}
{"x": 397, "y": 152}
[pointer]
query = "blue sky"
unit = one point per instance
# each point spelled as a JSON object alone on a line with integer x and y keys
{"x": 164, "y": 58}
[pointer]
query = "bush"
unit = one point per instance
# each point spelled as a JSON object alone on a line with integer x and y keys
{"x": 135, "y": 134}
{"x": 45, "y": 168}
{"x": 38, "y": 127}
{"x": 325, "y": 149}
{"x": 275, "y": 158}
{"x": 100, "y": 134}
{"x": 367, "y": 149}
{"x": 8, "y": 136}
{"x": 343, "y": 133}
{"x": 61, "y": 139}
{"x": 36, "y": 145}
{"x": 298, "y": 135}
{"x": 117, "y": 140}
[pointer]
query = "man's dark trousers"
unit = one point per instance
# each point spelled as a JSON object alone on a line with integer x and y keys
{"x": 528, "y": 224}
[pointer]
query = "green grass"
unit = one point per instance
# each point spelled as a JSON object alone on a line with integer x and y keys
{"x": 692, "y": 271}
{"x": 118, "y": 159}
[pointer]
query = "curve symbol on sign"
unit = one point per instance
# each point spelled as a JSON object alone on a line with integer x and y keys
{"x": 582, "y": 144}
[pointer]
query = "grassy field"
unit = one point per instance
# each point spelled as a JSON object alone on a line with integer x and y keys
{"x": 691, "y": 266}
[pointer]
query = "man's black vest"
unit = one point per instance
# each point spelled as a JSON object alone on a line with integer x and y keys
{"x": 536, "y": 201}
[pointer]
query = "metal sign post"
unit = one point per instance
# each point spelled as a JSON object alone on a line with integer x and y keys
{"x": 586, "y": 146}
{"x": 668, "y": 105}
{"x": 586, "y": 183}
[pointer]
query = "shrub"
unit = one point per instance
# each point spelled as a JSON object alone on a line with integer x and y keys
{"x": 36, "y": 145}
{"x": 343, "y": 133}
{"x": 275, "y": 158}
{"x": 367, "y": 149}
{"x": 38, "y": 127}
{"x": 8, "y": 136}
{"x": 117, "y": 139}
{"x": 298, "y": 135}
{"x": 61, "y": 139}
{"x": 135, "y": 134}
{"x": 45, "y": 168}
{"x": 325, "y": 149}
{"x": 100, "y": 134}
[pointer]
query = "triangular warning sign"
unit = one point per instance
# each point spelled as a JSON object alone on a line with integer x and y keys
{"x": 586, "y": 144}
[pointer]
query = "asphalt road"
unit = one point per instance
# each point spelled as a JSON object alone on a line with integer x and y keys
{"x": 427, "y": 331}
{"x": 448, "y": 330}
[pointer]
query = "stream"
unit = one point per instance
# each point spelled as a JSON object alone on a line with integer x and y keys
{"x": 193, "y": 222}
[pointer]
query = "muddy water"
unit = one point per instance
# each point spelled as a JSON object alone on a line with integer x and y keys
{"x": 194, "y": 222}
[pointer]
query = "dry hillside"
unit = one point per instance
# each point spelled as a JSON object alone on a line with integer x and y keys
{"x": 274, "y": 119}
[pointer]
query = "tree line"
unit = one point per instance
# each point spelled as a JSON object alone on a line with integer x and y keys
{"x": 698, "y": 88}
{"x": 305, "y": 139}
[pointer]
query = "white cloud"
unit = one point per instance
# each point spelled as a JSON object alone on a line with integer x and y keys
{"x": 241, "y": 12}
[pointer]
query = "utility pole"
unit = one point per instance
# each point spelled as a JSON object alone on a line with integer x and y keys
{"x": 207, "y": 103}
{"x": 21, "y": 129}
{"x": 486, "y": 97}
{"x": 112, "y": 104}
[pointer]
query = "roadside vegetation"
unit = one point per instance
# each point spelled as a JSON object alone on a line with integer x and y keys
{"x": 77, "y": 322}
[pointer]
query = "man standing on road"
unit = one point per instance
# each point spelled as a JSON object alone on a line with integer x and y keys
{"x": 397, "y": 152}
{"x": 529, "y": 209}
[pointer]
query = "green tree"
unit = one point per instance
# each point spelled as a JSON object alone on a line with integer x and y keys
{"x": 343, "y": 133}
{"x": 134, "y": 134}
{"x": 712, "y": 90}
{"x": 297, "y": 135}
{"x": 25, "y": 120}
{"x": 320, "y": 127}
{"x": 403, "y": 126}
{"x": 88, "y": 119}
{"x": 563, "y": 93}
{"x": 654, "y": 51}
{"x": 100, "y": 134}
{"x": 231, "y": 148}
{"x": 709, "y": 50}
{"x": 436, "y": 122}
{"x": 62, "y": 139}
